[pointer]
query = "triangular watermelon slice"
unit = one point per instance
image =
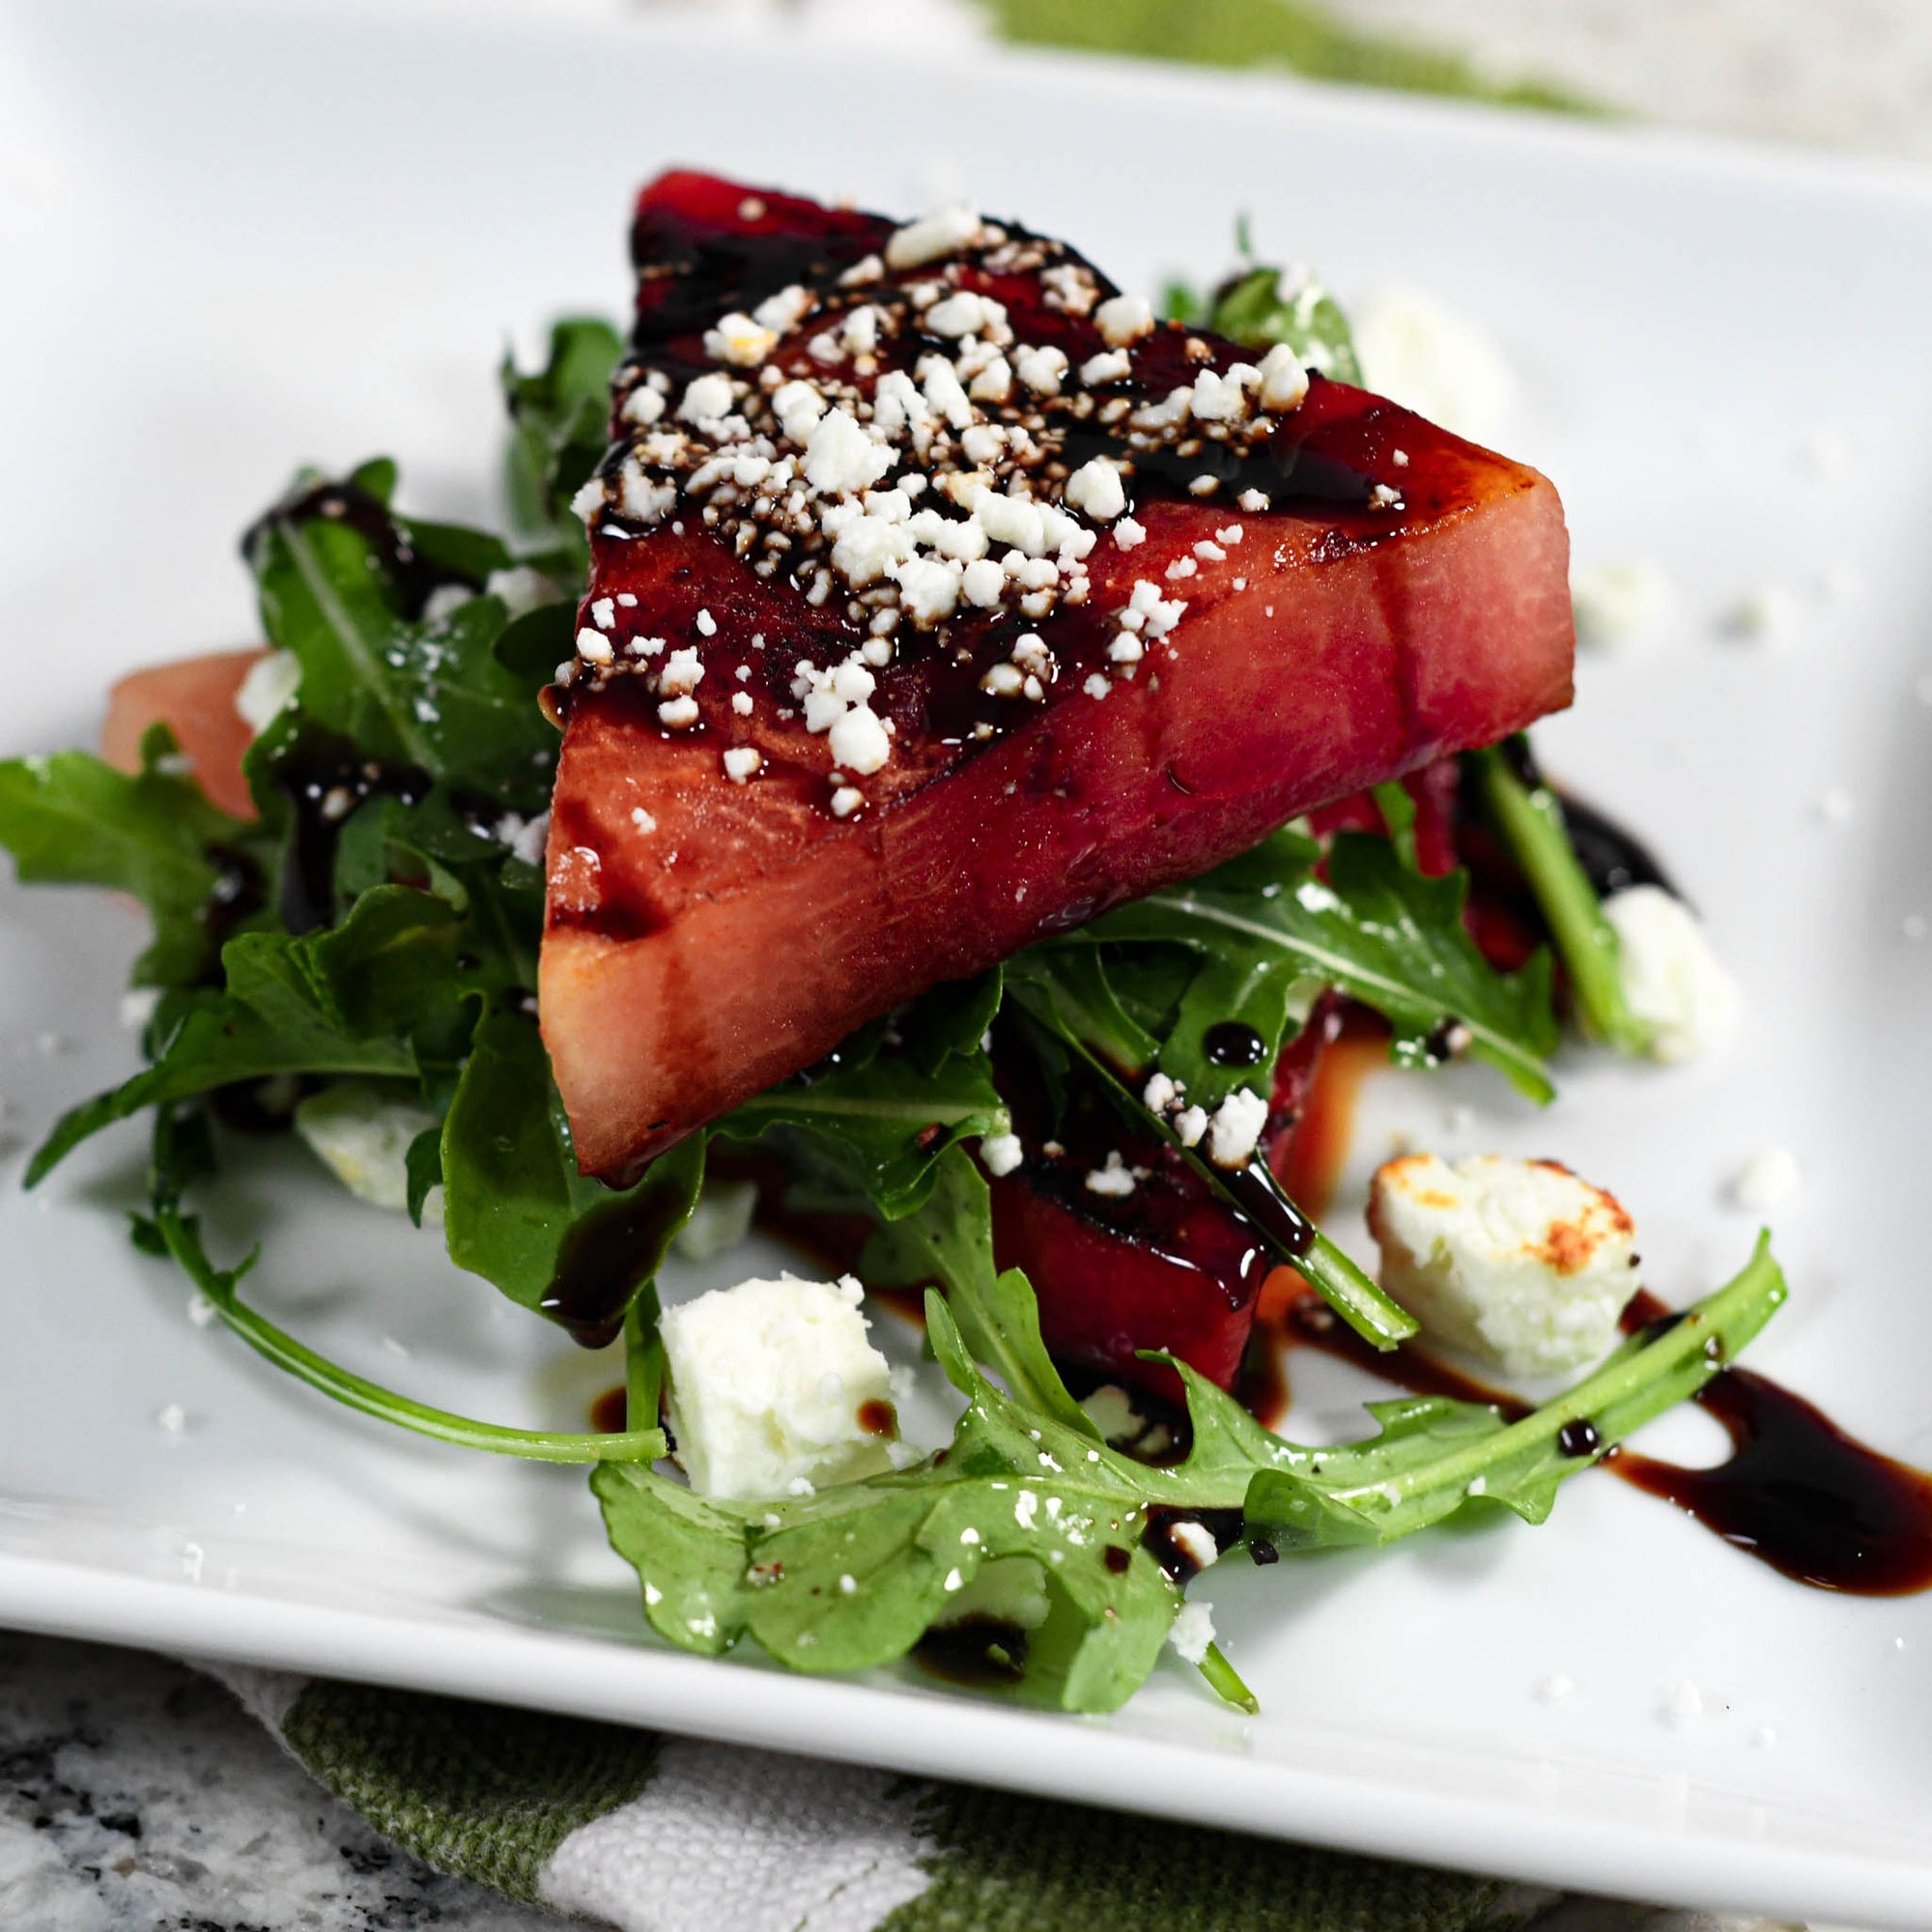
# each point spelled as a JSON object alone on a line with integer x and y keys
{"x": 940, "y": 599}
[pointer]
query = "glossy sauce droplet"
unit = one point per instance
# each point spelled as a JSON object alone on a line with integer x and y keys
{"x": 878, "y": 1418}
{"x": 1232, "y": 1043}
{"x": 1578, "y": 1437}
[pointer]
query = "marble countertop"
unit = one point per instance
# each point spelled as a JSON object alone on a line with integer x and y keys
{"x": 136, "y": 1794}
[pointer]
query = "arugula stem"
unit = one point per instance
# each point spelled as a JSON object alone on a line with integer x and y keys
{"x": 1529, "y": 819}
{"x": 1374, "y": 1315}
{"x": 639, "y": 1445}
{"x": 644, "y": 1362}
{"x": 1225, "y": 1681}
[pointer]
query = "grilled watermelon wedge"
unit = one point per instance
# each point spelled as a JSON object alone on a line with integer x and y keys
{"x": 940, "y": 599}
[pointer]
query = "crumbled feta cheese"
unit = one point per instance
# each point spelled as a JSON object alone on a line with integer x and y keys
{"x": 1001, "y": 1153}
{"x": 1519, "y": 1262}
{"x": 846, "y": 800}
{"x": 741, "y": 703}
{"x": 642, "y": 819}
{"x": 683, "y": 672}
{"x": 1767, "y": 1182}
{"x": 739, "y": 340}
{"x": 797, "y": 406}
{"x": 983, "y": 581}
{"x": 932, "y": 238}
{"x": 1095, "y": 488}
{"x": 137, "y": 1008}
{"x": 588, "y": 502}
{"x": 1111, "y": 366}
{"x": 361, "y": 1133}
{"x": 1617, "y": 604}
{"x": 643, "y": 406}
{"x": 1123, "y": 319}
{"x": 1236, "y": 1127}
{"x": 994, "y": 384}
{"x": 1420, "y": 353}
{"x": 960, "y": 314}
{"x": 525, "y": 837}
{"x": 444, "y": 601}
{"x": 1189, "y": 1125}
{"x": 928, "y": 588}
{"x": 1217, "y": 398}
{"x": 785, "y": 309}
{"x": 593, "y": 646}
{"x": 1671, "y": 978}
{"x": 1192, "y": 1631}
{"x": 841, "y": 459}
{"x": 268, "y": 689}
{"x": 1096, "y": 684}
{"x": 720, "y": 1219}
{"x": 1114, "y": 1181}
{"x": 741, "y": 762}
{"x": 1159, "y": 1094}
{"x": 859, "y": 741}
{"x": 1284, "y": 381}
{"x": 679, "y": 714}
{"x": 1195, "y": 1542}
{"x": 707, "y": 399}
{"x": 1129, "y": 534}
{"x": 765, "y": 1385}
{"x": 1041, "y": 367}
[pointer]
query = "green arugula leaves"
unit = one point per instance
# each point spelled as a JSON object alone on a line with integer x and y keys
{"x": 854, "y": 1577}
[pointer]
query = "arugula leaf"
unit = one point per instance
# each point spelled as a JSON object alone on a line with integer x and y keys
{"x": 430, "y": 694}
{"x": 872, "y": 1122}
{"x": 1014, "y": 1482}
{"x": 1529, "y": 819}
{"x": 1264, "y": 306}
{"x": 1379, "y": 930}
{"x": 514, "y": 1209}
{"x": 72, "y": 820}
{"x": 180, "y": 1155}
{"x": 949, "y": 1240}
{"x": 341, "y": 1001}
{"x": 562, "y": 419}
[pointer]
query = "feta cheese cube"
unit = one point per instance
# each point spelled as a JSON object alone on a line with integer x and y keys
{"x": 361, "y": 1133}
{"x": 1519, "y": 1263}
{"x": 268, "y": 689}
{"x": 773, "y": 1384}
{"x": 1672, "y": 980}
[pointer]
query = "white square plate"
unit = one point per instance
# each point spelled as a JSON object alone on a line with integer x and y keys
{"x": 242, "y": 238}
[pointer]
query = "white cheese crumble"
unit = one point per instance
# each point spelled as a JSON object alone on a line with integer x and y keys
{"x": 1123, "y": 319}
{"x": 741, "y": 762}
{"x": 1192, "y": 1631}
{"x": 1767, "y": 1182}
{"x": 361, "y": 1133}
{"x": 1111, "y": 366}
{"x": 932, "y": 238}
{"x": 1189, "y": 1125}
{"x": 1520, "y": 1263}
{"x": 1236, "y": 1128}
{"x": 841, "y": 459}
{"x": 1672, "y": 980}
{"x": 720, "y": 1219}
{"x": 740, "y": 340}
{"x": 859, "y": 741}
{"x": 1195, "y": 1542}
{"x": 1617, "y": 604}
{"x": 1420, "y": 353}
{"x": 765, "y": 1385}
{"x": 1095, "y": 488}
{"x": 1001, "y": 1153}
{"x": 268, "y": 689}
{"x": 1114, "y": 1180}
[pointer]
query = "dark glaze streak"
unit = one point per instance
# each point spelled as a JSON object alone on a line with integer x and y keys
{"x": 1259, "y": 1195}
{"x": 1223, "y": 1525}
{"x": 1611, "y": 857}
{"x": 979, "y": 1653}
{"x": 1798, "y": 1492}
{"x": 602, "y": 1264}
{"x": 324, "y": 786}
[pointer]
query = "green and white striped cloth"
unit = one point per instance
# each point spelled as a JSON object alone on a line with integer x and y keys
{"x": 655, "y": 1834}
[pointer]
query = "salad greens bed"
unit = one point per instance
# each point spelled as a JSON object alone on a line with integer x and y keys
{"x": 379, "y": 922}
